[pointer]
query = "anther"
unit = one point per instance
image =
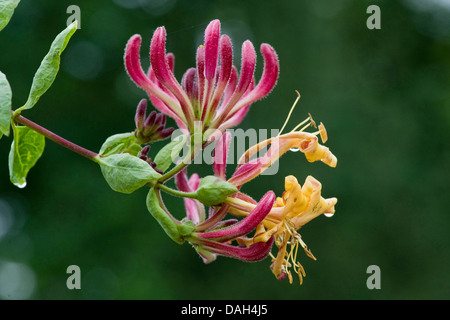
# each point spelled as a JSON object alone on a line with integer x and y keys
{"x": 323, "y": 133}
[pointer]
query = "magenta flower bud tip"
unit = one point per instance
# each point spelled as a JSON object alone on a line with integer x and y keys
{"x": 150, "y": 120}
{"x": 248, "y": 66}
{"x": 145, "y": 151}
{"x": 140, "y": 114}
{"x": 132, "y": 61}
{"x": 212, "y": 37}
{"x": 226, "y": 55}
{"x": 189, "y": 84}
{"x": 164, "y": 134}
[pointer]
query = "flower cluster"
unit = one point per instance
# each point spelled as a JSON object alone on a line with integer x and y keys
{"x": 220, "y": 219}
{"x": 217, "y": 96}
{"x": 151, "y": 128}
{"x": 212, "y": 97}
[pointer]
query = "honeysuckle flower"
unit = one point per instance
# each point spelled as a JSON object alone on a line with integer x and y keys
{"x": 150, "y": 128}
{"x": 297, "y": 206}
{"x": 215, "y": 95}
{"x": 282, "y": 218}
{"x": 289, "y": 213}
{"x": 211, "y": 97}
{"x": 195, "y": 210}
{"x": 306, "y": 142}
{"x": 143, "y": 156}
{"x": 215, "y": 236}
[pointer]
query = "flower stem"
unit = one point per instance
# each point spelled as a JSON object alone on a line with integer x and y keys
{"x": 173, "y": 172}
{"x": 55, "y": 138}
{"x": 192, "y": 153}
{"x": 177, "y": 193}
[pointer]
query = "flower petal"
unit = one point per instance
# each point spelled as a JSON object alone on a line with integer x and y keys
{"x": 194, "y": 181}
{"x": 195, "y": 210}
{"x": 247, "y": 224}
{"x": 200, "y": 59}
{"x": 247, "y": 69}
{"x": 229, "y": 89}
{"x": 255, "y": 252}
{"x": 246, "y": 172}
{"x": 250, "y": 169}
{"x": 316, "y": 206}
{"x": 226, "y": 56}
{"x": 215, "y": 216}
{"x": 268, "y": 79}
{"x": 212, "y": 37}
{"x": 189, "y": 84}
{"x": 237, "y": 117}
{"x": 133, "y": 62}
{"x": 220, "y": 155}
{"x": 159, "y": 98}
{"x": 245, "y": 79}
{"x": 162, "y": 71}
{"x": 314, "y": 151}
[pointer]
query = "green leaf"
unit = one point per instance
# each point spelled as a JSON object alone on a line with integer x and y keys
{"x": 5, "y": 105}
{"x": 213, "y": 190}
{"x": 126, "y": 173}
{"x": 47, "y": 71}
{"x": 6, "y": 11}
{"x": 165, "y": 157}
{"x": 26, "y": 149}
{"x": 164, "y": 219}
{"x": 134, "y": 149}
{"x": 118, "y": 143}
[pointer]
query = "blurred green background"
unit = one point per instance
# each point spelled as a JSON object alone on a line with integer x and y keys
{"x": 383, "y": 95}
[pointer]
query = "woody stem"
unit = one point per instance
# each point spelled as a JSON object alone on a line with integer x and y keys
{"x": 55, "y": 138}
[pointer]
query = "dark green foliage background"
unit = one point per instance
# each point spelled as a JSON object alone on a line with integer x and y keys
{"x": 383, "y": 95}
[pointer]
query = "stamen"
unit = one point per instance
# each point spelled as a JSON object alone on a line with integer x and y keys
{"x": 312, "y": 120}
{"x": 305, "y": 248}
{"x": 303, "y": 129}
{"x": 295, "y": 254}
{"x": 300, "y": 124}
{"x": 290, "y": 112}
{"x": 323, "y": 133}
{"x": 290, "y": 277}
{"x": 291, "y": 256}
{"x": 303, "y": 273}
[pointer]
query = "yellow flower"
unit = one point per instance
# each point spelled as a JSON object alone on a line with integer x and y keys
{"x": 295, "y": 208}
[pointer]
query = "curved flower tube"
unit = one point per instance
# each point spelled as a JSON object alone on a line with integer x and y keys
{"x": 216, "y": 239}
